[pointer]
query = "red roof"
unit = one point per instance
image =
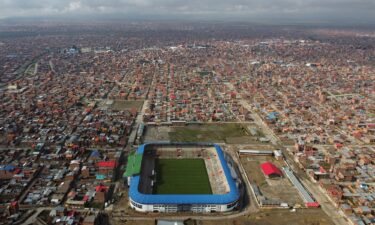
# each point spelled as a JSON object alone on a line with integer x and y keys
{"x": 107, "y": 164}
{"x": 71, "y": 213}
{"x": 312, "y": 205}
{"x": 86, "y": 198}
{"x": 339, "y": 145}
{"x": 269, "y": 169}
{"x": 14, "y": 203}
{"x": 101, "y": 188}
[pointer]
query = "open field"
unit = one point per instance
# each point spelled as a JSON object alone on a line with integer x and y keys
{"x": 276, "y": 217}
{"x": 122, "y": 104}
{"x": 228, "y": 132}
{"x": 263, "y": 217}
{"x": 124, "y": 221}
{"x": 281, "y": 189}
{"x": 181, "y": 176}
{"x": 31, "y": 69}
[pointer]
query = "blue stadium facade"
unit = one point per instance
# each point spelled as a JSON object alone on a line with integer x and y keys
{"x": 187, "y": 202}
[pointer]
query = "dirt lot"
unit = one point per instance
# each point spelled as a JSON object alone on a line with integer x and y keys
{"x": 158, "y": 133}
{"x": 133, "y": 222}
{"x": 277, "y": 217}
{"x": 281, "y": 188}
{"x": 264, "y": 217}
{"x": 122, "y": 105}
{"x": 228, "y": 133}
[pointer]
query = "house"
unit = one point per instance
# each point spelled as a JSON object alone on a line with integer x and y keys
{"x": 106, "y": 167}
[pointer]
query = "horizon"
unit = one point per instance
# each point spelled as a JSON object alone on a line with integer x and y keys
{"x": 286, "y": 12}
{"x": 62, "y": 20}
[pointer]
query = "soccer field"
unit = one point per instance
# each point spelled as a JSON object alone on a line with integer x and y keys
{"x": 181, "y": 176}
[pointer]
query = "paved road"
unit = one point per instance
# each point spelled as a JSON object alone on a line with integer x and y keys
{"x": 32, "y": 219}
{"x": 139, "y": 118}
{"x": 324, "y": 202}
{"x": 259, "y": 121}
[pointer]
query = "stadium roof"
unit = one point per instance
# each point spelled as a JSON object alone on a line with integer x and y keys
{"x": 270, "y": 169}
{"x": 133, "y": 167}
{"x": 227, "y": 198}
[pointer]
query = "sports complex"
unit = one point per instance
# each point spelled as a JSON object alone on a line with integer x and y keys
{"x": 175, "y": 177}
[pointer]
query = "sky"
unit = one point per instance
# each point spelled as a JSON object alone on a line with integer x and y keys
{"x": 342, "y": 11}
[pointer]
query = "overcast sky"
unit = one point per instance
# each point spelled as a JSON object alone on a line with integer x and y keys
{"x": 252, "y": 10}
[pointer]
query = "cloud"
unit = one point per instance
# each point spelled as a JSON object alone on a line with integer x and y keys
{"x": 209, "y": 9}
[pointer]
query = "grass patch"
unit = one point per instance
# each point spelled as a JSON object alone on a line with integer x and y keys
{"x": 30, "y": 69}
{"x": 181, "y": 176}
{"x": 123, "y": 105}
{"x": 208, "y": 132}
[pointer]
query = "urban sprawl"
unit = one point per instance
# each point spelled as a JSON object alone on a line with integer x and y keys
{"x": 74, "y": 105}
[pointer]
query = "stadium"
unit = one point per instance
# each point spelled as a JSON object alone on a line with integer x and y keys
{"x": 181, "y": 177}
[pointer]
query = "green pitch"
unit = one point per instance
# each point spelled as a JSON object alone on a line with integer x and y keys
{"x": 181, "y": 176}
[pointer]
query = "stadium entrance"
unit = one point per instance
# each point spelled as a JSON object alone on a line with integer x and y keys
{"x": 184, "y": 207}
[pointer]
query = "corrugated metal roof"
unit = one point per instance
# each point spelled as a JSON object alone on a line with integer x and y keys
{"x": 100, "y": 176}
{"x": 95, "y": 153}
{"x": 8, "y": 167}
{"x": 269, "y": 169}
{"x": 250, "y": 151}
{"x": 107, "y": 164}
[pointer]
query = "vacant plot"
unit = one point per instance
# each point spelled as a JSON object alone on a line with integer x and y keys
{"x": 211, "y": 133}
{"x": 123, "y": 105}
{"x": 181, "y": 176}
{"x": 157, "y": 133}
{"x": 280, "y": 189}
{"x": 277, "y": 217}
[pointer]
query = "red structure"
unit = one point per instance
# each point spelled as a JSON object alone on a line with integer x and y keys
{"x": 107, "y": 164}
{"x": 270, "y": 170}
{"x": 312, "y": 205}
{"x": 106, "y": 168}
{"x": 101, "y": 188}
